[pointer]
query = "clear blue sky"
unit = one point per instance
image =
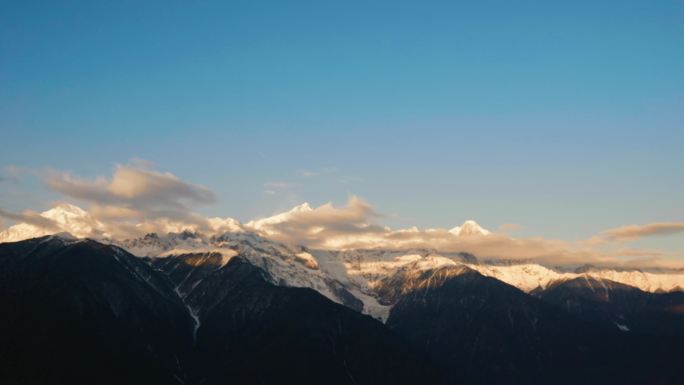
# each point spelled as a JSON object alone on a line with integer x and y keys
{"x": 565, "y": 117}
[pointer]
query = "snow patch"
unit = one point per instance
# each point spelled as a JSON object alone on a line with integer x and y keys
{"x": 623, "y": 328}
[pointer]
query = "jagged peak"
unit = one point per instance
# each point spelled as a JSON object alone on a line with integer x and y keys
{"x": 469, "y": 228}
{"x": 65, "y": 208}
{"x": 263, "y": 223}
{"x": 64, "y": 235}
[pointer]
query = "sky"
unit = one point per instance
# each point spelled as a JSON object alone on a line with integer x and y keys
{"x": 560, "y": 121}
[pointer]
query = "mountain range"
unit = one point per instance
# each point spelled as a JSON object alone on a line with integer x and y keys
{"x": 236, "y": 307}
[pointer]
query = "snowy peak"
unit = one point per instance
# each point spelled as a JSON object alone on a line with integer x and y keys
{"x": 529, "y": 276}
{"x": 64, "y": 212}
{"x": 222, "y": 225}
{"x": 469, "y": 228}
{"x": 263, "y": 223}
{"x": 301, "y": 208}
{"x": 65, "y": 217}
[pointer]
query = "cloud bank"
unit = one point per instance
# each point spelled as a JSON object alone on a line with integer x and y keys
{"x": 136, "y": 200}
{"x": 353, "y": 227}
{"x": 634, "y": 232}
{"x": 32, "y": 218}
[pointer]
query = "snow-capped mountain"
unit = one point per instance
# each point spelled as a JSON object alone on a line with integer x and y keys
{"x": 285, "y": 265}
{"x": 83, "y": 312}
{"x": 263, "y": 224}
{"x": 65, "y": 217}
{"x": 530, "y": 276}
{"x": 469, "y": 228}
{"x": 352, "y": 277}
{"x": 348, "y": 276}
{"x": 72, "y": 219}
{"x": 231, "y": 294}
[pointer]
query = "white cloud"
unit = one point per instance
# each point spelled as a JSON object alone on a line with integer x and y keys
{"x": 275, "y": 188}
{"x": 353, "y": 226}
{"x": 131, "y": 187}
{"x": 135, "y": 199}
{"x": 307, "y": 173}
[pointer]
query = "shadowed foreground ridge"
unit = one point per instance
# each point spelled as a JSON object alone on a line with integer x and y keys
{"x": 484, "y": 331}
{"x": 82, "y": 312}
{"x": 87, "y": 313}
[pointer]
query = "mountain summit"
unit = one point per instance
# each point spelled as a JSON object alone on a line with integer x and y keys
{"x": 64, "y": 217}
{"x": 469, "y": 228}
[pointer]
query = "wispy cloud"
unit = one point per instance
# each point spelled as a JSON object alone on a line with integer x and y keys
{"x": 12, "y": 173}
{"x": 634, "y": 232}
{"x": 32, "y": 218}
{"x": 277, "y": 187}
{"x": 307, "y": 173}
{"x": 150, "y": 193}
{"x": 135, "y": 198}
{"x": 509, "y": 227}
{"x": 353, "y": 226}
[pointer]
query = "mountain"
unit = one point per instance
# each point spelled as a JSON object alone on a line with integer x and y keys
{"x": 87, "y": 312}
{"x": 349, "y": 277}
{"x": 253, "y": 331}
{"x": 469, "y": 228}
{"x": 188, "y": 256}
{"x": 236, "y": 307}
{"x": 263, "y": 224}
{"x": 343, "y": 266}
{"x": 80, "y": 312}
{"x": 65, "y": 217}
{"x": 532, "y": 276}
{"x": 614, "y": 304}
{"x": 480, "y": 330}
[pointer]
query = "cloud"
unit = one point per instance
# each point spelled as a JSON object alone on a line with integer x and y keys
{"x": 633, "y": 232}
{"x": 136, "y": 199}
{"x": 316, "y": 226}
{"x": 32, "y": 218}
{"x": 316, "y": 173}
{"x": 133, "y": 193}
{"x": 273, "y": 188}
{"x": 329, "y": 227}
{"x": 307, "y": 173}
{"x": 278, "y": 185}
{"x": 12, "y": 173}
{"x": 132, "y": 187}
{"x": 353, "y": 227}
{"x": 509, "y": 227}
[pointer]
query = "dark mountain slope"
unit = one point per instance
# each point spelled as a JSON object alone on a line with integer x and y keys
{"x": 186, "y": 270}
{"x": 483, "y": 330}
{"x": 79, "y": 312}
{"x": 254, "y": 332}
{"x": 625, "y": 307}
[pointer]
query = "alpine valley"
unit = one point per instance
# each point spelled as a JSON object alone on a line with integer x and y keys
{"x": 236, "y": 306}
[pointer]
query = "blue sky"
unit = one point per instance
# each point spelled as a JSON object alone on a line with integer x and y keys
{"x": 563, "y": 118}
